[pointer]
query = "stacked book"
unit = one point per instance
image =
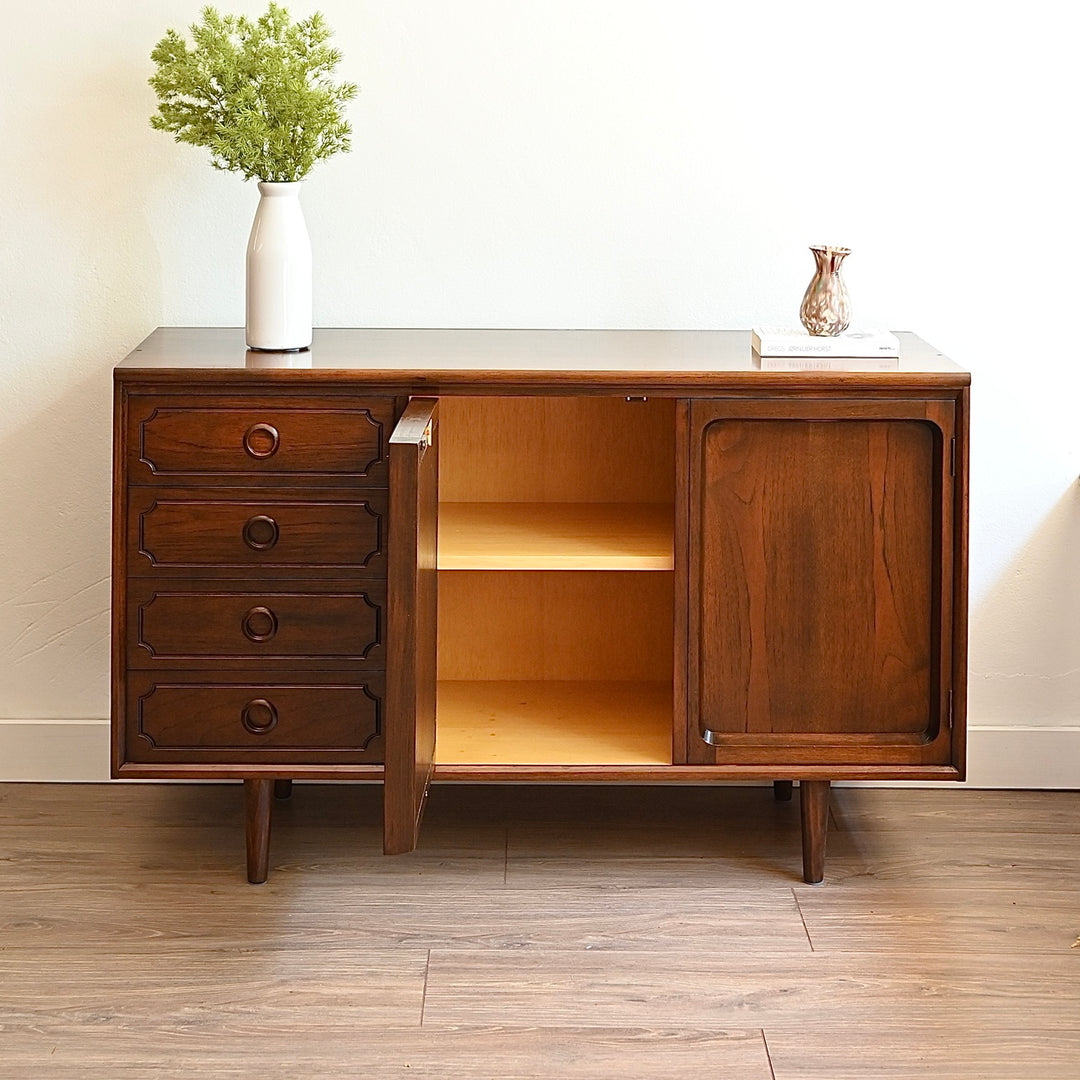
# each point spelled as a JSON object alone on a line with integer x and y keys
{"x": 785, "y": 349}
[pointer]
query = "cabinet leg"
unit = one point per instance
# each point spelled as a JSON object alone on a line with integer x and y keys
{"x": 814, "y": 812}
{"x": 257, "y": 803}
{"x": 781, "y": 790}
{"x": 282, "y": 789}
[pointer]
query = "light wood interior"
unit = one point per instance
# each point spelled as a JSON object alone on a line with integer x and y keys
{"x": 555, "y": 536}
{"x": 565, "y": 449}
{"x": 551, "y": 625}
{"x": 549, "y": 722}
{"x": 553, "y": 647}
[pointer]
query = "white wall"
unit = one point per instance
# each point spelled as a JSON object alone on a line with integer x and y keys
{"x": 608, "y": 163}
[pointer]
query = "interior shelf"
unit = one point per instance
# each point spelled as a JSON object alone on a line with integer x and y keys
{"x": 553, "y": 723}
{"x": 555, "y": 536}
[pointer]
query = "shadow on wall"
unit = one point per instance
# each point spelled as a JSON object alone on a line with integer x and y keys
{"x": 1025, "y": 632}
{"x": 86, "y": 290}
{"x": 54, "y": 587}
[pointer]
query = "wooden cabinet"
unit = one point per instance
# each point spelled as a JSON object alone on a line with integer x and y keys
{"x": 249, "y": 600}
{"x": 540, "y": 556}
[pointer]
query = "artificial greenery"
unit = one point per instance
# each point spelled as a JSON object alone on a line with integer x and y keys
{"x": 257, "y": 94}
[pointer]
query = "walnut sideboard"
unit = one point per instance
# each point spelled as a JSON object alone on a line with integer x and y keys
{"x": 582, "y": 556}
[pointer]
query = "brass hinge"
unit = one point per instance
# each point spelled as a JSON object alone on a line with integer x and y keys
{"x": 952, "y": 457}
{"x": 949, "y": 714}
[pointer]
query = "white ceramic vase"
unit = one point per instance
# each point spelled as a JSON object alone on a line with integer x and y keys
{"x": 279, "y": 272}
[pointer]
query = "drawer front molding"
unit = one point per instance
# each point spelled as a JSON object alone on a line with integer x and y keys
{"x": 183, "y": 530}
{"x": 173, "y": 441}
{"x": 241, "y": 626}
{"x": 206, "y": 719}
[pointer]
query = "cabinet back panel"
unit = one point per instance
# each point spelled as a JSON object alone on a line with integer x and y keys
{"x": 565, "y": 449}
{"x": 607, "y": 625}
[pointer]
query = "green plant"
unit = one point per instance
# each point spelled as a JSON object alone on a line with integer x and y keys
{"x": 257, "y": 94}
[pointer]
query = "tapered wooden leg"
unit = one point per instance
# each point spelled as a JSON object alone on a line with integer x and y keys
{"x": 282, "y": 789}
{"x": 814, "y": 812}
{"x": 781, "y": 790}
{"x": 258, "y": 799}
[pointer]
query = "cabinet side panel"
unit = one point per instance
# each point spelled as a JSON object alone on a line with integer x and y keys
{"x": 957, "y": 623}
{"x": 681, "y": 602}
{"x": 118, "y": 657}
{"x": 816, "y": 577}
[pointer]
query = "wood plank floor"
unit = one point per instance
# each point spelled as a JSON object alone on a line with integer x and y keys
{"x": 539, "y": 932}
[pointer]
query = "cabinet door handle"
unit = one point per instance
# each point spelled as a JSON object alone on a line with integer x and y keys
{"x": 261, "y": 532}
{"x": 259, "y": 716}
{"x": 261, "y": 440}
{"x": 259, "y": 624}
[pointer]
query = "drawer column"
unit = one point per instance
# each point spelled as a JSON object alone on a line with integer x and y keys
{"x": 249, "y": 568}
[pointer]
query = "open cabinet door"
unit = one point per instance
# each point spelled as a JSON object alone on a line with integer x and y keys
{"x": 412, "y": 619}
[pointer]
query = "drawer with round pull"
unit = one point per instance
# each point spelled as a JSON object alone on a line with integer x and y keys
{"x": 179, "y": 626}
{"x": 218, "y": 439}
{"x": 289, "y": 718}
{"x": 188, "y": 529}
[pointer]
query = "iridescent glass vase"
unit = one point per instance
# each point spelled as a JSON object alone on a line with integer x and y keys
{"x": 825, "y": 310}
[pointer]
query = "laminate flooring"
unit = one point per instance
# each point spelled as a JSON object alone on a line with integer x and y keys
{"x": 603, "y": 932}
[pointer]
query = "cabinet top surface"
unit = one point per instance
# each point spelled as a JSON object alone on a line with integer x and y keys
{"x": 443, "y": 360}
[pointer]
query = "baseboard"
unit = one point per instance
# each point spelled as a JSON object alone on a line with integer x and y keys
{"x": 54, "y": 751}
{"x": 77, "y": 751}
{"x": 1036, "y": 757}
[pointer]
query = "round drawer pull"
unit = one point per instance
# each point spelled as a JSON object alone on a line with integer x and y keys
{"x": 261, "y": 532}
{"x": 258, "y": 716}
{"x": 261, "y": 440}
{"x": 259, "y": 624}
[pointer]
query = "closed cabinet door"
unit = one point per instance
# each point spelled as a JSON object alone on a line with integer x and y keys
{"x": 821, "y": 611}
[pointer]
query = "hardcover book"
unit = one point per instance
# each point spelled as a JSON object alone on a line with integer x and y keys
{"x": 828, "y": 363}
{"x": 853, "y": 344}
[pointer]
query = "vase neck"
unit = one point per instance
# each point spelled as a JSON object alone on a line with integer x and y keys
{"x": 828, "y": 259}
{"x": 269, "y": 189}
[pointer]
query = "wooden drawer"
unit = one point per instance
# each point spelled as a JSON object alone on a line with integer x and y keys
{"x": 183, "y": 529}
{"x": 201, "y": 718}
{"x": 187, "y": 626}
{"x": 178, "y": 439}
